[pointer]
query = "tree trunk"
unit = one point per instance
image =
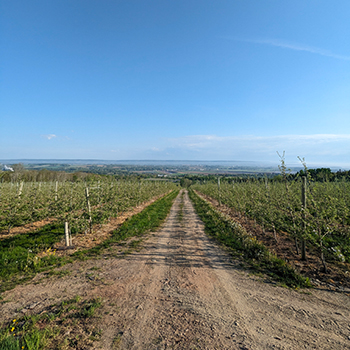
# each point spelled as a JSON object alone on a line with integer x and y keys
{"x": 88, "y": 207}
{"x": 303, "y": 198}
{"x": 274, "y": 233}
{"x": 325, "y": 270}
{"x": 303, "y": 250}
{"x": 296, "y": 245}
{"x": 219, "y": 191}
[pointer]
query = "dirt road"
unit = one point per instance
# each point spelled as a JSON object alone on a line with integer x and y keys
{"x": 181, "y": 291}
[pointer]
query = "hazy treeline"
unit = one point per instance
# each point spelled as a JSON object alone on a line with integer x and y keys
{"x": 44, "y": 175}
{"x": 20, "y": 174}
{"x": 316, "y": 175}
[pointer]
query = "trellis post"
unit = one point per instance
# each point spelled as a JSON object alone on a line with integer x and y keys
{"x": 303, "y": 201}
{"x": 88, "y": 207}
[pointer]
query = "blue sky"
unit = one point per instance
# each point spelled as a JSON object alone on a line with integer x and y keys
{"x": 175, "y": 79}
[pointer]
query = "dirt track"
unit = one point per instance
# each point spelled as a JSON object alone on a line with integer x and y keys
{"x": 182, "y": 292}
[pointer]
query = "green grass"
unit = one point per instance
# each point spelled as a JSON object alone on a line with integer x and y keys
{"x": 246, "y": 246}
{"x": 180, "y": 215}
{"x": 19, "y": 261}
{"x": 90, "y": 308}
{"x": 49, "y": 329}
{"x": 147, "y": 221}
{"x": 60, "y": 273}
{"x": 18, "y": 255}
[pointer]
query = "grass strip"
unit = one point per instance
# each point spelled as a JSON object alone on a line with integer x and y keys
{"x": 67, "y": 325}
{"x": 234, "y": 236}
{"x": 148, "y": 220}
{"x": 19, "y": 261}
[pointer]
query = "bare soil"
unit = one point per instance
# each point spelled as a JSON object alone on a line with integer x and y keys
{"x": 181, "y": 291}
{"x": 33, "y": 226}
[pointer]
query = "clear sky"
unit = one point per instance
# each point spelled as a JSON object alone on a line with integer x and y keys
{"x": 175, "y": 79}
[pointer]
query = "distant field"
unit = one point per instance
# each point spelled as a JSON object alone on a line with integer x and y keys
{"x": 149, "y": 167}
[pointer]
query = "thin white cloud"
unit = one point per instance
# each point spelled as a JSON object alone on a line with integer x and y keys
{"x": 208, "y": 140}
{"x": 256, "y": 147}
{"x": 296, "y": 47}
{"x": 49, "y": 136}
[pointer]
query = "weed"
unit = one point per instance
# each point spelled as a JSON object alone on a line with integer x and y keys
{"x": 90, "y": 307}
{"x": 117, "y": 340}
{"x": 95, "y": 268}
{"x": 59, "y": 325}
{"x": 60, "y": 273}
{"x": 135, "y": 244}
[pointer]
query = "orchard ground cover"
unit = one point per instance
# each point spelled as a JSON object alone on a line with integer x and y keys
{"x": 273, "y": 213}
{"x": 24, "y": 255}
{"x": 65, "y": 325}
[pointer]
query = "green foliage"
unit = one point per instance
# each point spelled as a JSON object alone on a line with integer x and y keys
{"x": 19, "y": 258}
{"x": 324, "y": 223}
{"x": 25, "y": 202}
{"x": 256, "y": 254}
{"x": 90, "y": 307}
{"x": 185, "y": 182}
{"x": 19, "y": 254}
{"x": 9, "y": 343}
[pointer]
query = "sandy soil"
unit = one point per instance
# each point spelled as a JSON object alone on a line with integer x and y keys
{"x": 25, "y": 228}
{"x": 181, "y": 291}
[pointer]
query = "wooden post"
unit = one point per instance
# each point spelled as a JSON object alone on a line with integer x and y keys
{"x": 71, "y": 196}
{"x": 56, "y": 189}
{"x": 99, "y": 191}
{"x": 88, "y": 207}
{"x": 66, "y": 233}
{"x": 70, "y": 239}
{"x": 303, "y": 201}
{"x": 219, "y": 191}
{"x": 20, "y": 189}
{"x": 139, "y": 192}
